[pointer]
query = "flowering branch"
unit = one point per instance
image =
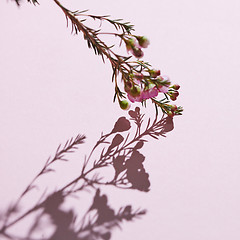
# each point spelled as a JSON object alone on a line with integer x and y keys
{"x": 140, "y": 80}
{"x": 120, "y": 150}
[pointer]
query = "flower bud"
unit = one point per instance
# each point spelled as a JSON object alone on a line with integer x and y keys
{"x": 135, "y": 91}
{"x": 173, "y": 98}
{"x": 138, "y": 76}
{"x": 176, "y": 86}
{"x": 173, "y": 108}
{"x": 130, "y": 43}
{"x": 135, "y": 99}
{"x": 154, "y": 73}
{"x": 137, "y": 52}
{"x": 127, "y": 86}
{"x": 175, "y": 94}
{"x": 124, "y": 104}
{"x": 143, "y": 41}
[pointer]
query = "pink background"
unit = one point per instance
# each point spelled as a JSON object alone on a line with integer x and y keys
{"x": 53, "y": 87}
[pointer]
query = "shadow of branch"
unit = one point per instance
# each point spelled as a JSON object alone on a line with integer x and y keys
{"x": 119, "y": 150}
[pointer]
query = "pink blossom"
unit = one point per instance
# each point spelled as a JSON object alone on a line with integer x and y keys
{"x": 163, "y": 89}
{"x": 151, "y": 92}
{"x": 145, "y": 95}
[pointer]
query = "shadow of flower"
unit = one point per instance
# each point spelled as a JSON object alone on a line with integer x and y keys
{"x": 119, "y": 152}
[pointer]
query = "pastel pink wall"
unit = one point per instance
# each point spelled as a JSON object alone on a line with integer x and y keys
{"x": 53, "y": 87}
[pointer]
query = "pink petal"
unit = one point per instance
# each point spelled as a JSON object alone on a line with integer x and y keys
{"x": 163, "y": 89}
{"x": 153, "y": 92}
{"x": 145, "y": 94}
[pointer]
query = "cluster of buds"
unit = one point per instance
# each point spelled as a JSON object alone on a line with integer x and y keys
{"x": 147, "y": 84}
{"x": 141, "y": 82}
{"x": 135, "y": 45}
{"x": 172, "y": 110}
{"x": 173, "y": 92}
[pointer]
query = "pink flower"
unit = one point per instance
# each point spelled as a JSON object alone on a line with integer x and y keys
{"x": 153, "y": 92}
{"x": 145, "y": 95}
{"x": 150, "y": 92}
{"x": 163, "y": 89}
